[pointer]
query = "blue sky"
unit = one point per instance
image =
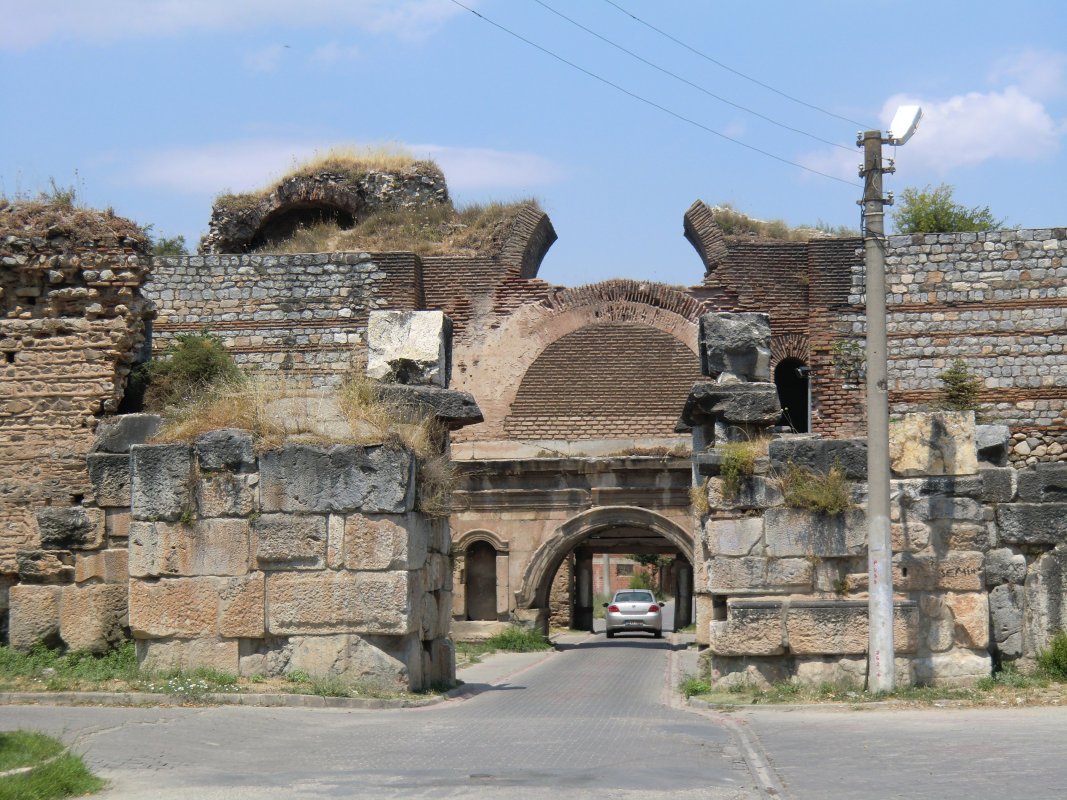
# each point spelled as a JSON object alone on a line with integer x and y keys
{"x": 155, "y": 106}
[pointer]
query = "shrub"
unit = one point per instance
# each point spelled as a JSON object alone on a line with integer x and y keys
{"x": 692, "y": 685}
{"x": 641, "y": 580}
{"x": 192, "y": 365}
{"x": 1053, "y": 661}
{"x": 960, "y": 388}
{"x": 828, "y": 493}
{"x": 738, "y": 462}
{"x": 518, "y": 640}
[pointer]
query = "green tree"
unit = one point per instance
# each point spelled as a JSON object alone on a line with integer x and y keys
{"x": 657, "y": 562}
{"x": 933, "y": 210}
{"x": 960, "y": 388}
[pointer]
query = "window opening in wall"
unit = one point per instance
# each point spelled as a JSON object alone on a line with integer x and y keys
{"x": 791, "y": 377}
{"x": 9, "y": 356}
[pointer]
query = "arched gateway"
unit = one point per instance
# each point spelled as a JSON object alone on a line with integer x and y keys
{"x": 621, "y": 528}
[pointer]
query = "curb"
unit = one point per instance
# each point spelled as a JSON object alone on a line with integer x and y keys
{"x": 258, "y": 700}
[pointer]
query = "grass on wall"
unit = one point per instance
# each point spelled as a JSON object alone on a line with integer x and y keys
{"x": 828, "y": 493}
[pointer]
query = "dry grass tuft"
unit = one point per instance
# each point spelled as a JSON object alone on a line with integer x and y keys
{"x": 345, "y": 159}
{"x": 698, "y": 498}
{"x": 437, "y": 229}
{"x": 827, "y": 493}
{"x": 736, "y": 223}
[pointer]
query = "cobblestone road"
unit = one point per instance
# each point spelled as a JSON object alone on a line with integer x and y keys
{"x": 587, "y": 722}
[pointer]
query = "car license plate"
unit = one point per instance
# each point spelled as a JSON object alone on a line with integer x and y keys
{"x": 633, "y": 622}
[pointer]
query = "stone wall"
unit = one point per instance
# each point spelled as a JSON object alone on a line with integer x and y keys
{"x": 301, "y": 314}
{"x": 71, "y": 323}
{"x": 997, "y": 300}
{"x": 979, "y": 558}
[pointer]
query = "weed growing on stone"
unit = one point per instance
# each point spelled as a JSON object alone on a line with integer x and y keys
{"x": 54, "y": 773}
{"x": 692, "y": 685}
{"x": 1053, "y": 660}
{"x": 738, "y": 462}
{"x": 191, "y": 685}
{"x": 518, "y": 640}
{"x": 191, "y": 366}
{"x": 827, "y": 493}
{"x": 42, "y": 668}
{"x": 698, "y": 498}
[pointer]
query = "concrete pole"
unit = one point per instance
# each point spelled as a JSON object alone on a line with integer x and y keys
{"x": 880, "y": 668}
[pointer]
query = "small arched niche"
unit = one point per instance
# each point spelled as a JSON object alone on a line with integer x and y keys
{"x": 280, "y": 225}
{"x": 794, "y": 394}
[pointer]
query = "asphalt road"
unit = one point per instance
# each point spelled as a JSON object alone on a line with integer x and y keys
{"x": 587, "y": 722}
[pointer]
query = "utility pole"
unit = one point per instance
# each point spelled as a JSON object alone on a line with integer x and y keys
{"x": 881, "y": 655}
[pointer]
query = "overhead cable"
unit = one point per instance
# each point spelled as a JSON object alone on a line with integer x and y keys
{"x": 688, "y": 82}
{"x": 737, "y": 72}
{"x": 651, "y": 103}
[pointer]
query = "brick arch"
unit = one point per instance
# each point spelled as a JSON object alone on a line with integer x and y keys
{"x": 789, "y": 345}
{"x": 492, "y": 361}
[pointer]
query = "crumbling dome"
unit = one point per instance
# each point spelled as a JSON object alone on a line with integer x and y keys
{"x": 341, "y": 191}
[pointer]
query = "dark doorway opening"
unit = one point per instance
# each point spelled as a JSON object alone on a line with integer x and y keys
{"x": 791, "y": 378}
{"x": 480, "y": 566}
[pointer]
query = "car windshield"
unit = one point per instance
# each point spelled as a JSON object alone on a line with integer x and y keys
{"x": 634, "y": 597}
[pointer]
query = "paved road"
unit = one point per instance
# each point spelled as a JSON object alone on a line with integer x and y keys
{"x": 587, "y": 722}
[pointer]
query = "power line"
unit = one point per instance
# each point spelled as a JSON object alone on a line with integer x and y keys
{"x": 688, "y": 82}
{"x": 651, "y": 103}
{"x": 728, "y": 68}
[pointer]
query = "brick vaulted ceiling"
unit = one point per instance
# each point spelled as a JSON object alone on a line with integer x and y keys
{"x": 605, "y": 381}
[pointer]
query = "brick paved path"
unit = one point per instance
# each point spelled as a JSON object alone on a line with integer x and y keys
{"x": 588, "y": 722}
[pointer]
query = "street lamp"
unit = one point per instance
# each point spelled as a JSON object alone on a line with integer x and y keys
{"x": 881, "y": 655}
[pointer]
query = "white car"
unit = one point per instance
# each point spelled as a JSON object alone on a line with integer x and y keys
{"x": 634, "y": 610}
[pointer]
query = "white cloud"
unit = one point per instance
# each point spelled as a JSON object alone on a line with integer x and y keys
{"x": 245, "y": 165}
{"x": 98, "y": 21}
{"x": 334, "y": 53}
{"x": 265, "y": 59}
{"x": 1037, "y": 73}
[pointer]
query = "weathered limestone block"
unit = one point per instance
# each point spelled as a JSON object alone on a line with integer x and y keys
{"x": 755, "y": 575}
{"x": 837, "y": 671}
{"x": 340, "y": 602}
{"x": 993, "y": 443}
{"x": 74, "y": 528}
{"x": 1045, "y": 483}
{"x": 103, "y": 566}
{"x": 913, "y": 572}
{"x": 817, "y": 627}
{"x": 161, "y": 481}
{"x": 167, "y": 654}
{"x": 732, "y": 537}
{"x": 743, "y": 404}
{"x": 304, "y": 478}
{"x": 290, "y": 541}
{"x": 198, "y": 607}
{"x": 820, "y": 455}
{"x": 412, "y": 347}
{"x": 961, "y": 571}
{"x": 909, "y": 535}
{"x": 1032, "y": 523}
{"x": 1006, "y": 619}
{"x": 729, "y": 671}
{"x": 119, "y": 433}
{"x": 970, "y": 611}
{"x": 704, "y": 611}
{"x": 207, "y": 547}
{"x": 33, "y": 616}
{"x": 751, "y": 628}
{"x": 45, "y": 566}
{"x": 937, "y": 625}
{"x": 109, "y": 475}
{"x": 1046, "y": 600}
{"x": 428, "y": 616}
{"x": 966, "y": 535}
{"x": 93, "y": 617}
{"x": 226, "y": 449}
{"x": 938, "y": 507}
{"x": 935, "y": 443}
{"x": 117, "y": 523}
{"x": 736, "y": 346}
{"x": 452, "y": 408}
{"x": 958, "y": 667}
{"x": 442, "y": 671}
{"x": 335, "y": 541}
{"x": 799, "y": 532}
{"x": 999, "y": 485}
{"x": 440, "y": 536}
{"x": 438, "y": 573}
{"x": 386, "y": 543}
{"x": 755, "y": 491}
{"x": 227, "y": 495}
{"x": 1004, "y": 566}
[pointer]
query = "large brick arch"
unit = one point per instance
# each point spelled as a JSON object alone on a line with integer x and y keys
{"x": 492, "y": 362}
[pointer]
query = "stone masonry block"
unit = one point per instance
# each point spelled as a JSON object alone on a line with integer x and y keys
{"x": 74, "y": 528}
{"x": 1004, "y": 566}
{"x": 119, "y": 433}
{"x": 226, "y": 449}
{"x": 339, "y": 602}
{"x": 93, "y": 617}
{"x": 309, "y": 479}
{"x": 992, "y": 443}
{"x": 33, "y": 616}
{"x": 754, "y": 575}
{"x": 1006, "y": 619}
{"x": 385, "y": 543}
{"x": 814, "y": 628}
{"x": 957, "y": 667}
{"x": 961, "y": 572}
{"x": 732, "y": 537}
{"x": 1045, "y": 593}
{"x": 45, "y": 566}
{"x": 208, "y": 547}
{"x": 970, "y": 611}
{"x": 103, "y": 566}
{"x": 161, "y": 481}
{"x": 755, "y": 491}
{"x": 290, "y": 541}
{"x": 1032, "y": 523}
{"x": 227, "y": 495}
{"x": 935, "y": 443}
{"x": 191, "y": 608}
{"x": 1044, "y": 483}
{"x": 109, "y": 475}
{"x": 412, "y": 347}
{"x": 999, "y": 485}
{"x": 242, "y": 606}
{"x": 737, "y": 345}
{"x": 820, "y": 455}
{"x": 798, "y": 532}
{"x": 750, "y": 629}
{"x": 211, "y": 653}
{"x": 117, "y": 523}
